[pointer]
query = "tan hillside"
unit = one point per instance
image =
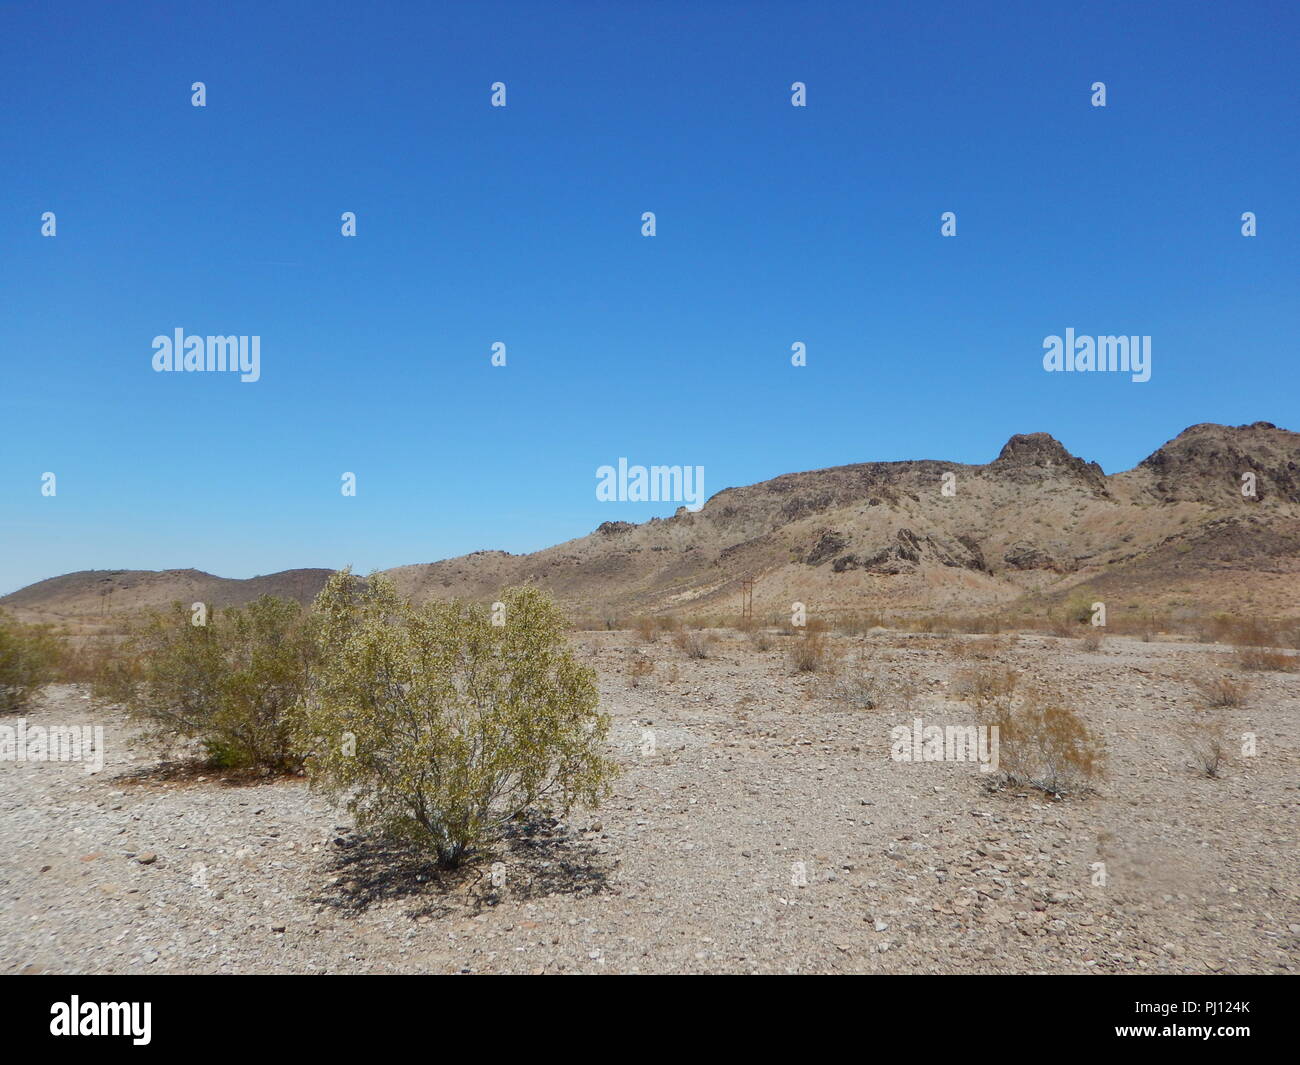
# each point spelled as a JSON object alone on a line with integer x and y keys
{"x": 86, "y": 594}
{"x": 1176, "y": 532}
{"x": 1036, "y": 524}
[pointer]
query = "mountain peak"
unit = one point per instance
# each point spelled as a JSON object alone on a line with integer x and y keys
{"x": 1035, "y": 449}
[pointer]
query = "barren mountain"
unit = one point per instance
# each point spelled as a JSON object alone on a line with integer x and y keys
{"x": 1181, "y": 531}
{"x": 93, "y": 593}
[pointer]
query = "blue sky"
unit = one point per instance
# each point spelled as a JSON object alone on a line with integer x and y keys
{"x": 522, "y": 224}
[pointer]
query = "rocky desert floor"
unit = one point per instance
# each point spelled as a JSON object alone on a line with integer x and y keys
{"x": 759, "y": 826}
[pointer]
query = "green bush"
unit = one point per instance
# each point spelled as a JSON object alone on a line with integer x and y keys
{"x": 236, "y": 683}
{"x": 439, "y": 727}
{"x": 27, "y": 656}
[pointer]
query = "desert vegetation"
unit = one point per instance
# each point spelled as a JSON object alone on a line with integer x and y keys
{"x": 462, "y": 744}
{"x": 438, "y": 727}
{"x": 28, "y": 656}
{"x": 233, "y": 681}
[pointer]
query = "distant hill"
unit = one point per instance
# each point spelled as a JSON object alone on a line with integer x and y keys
{"x": 86, "y": 593}
{"x": 1174, "y": 532}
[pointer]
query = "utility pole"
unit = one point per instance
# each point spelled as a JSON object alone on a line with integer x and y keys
{"x": 747, "y": 598}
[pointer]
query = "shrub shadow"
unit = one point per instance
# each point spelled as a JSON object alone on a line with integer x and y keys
{"x": 197, "y": 771}
{"x": 537, "y": 857}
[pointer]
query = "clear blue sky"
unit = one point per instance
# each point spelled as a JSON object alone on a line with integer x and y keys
{"x": 522, "y": 225}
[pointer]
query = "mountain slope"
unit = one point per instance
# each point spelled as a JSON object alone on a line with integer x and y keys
{"x": 1175, "y": 531}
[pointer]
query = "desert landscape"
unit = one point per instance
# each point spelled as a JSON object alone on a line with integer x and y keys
{"x": 763, "y": 817}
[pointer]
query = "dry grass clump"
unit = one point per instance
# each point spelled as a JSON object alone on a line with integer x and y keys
{"x": 859, "y": 686}
{"x": 859, "y": 624}
{"x": 1207, "y": 742}
{"x": 1043, "y": 742}
{"x": 980, "y": 649}
{"x": 1220, "y": 689}
{"x": 1059, "y": 625}
{"x": 694, "y": 643}
{"x": 1265, "y": 659}
{"x": 986, "y": 685}
{"x": 1259, "y": 644}
{"x": 640, "y": 667}
{"x": 811, "y": 651}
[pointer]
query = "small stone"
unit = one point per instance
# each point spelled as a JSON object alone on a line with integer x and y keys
{"x": 147, "y": 858}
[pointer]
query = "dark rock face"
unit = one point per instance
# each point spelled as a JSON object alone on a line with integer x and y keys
{"x": 1030, "y": 457}
{"x": 828, "y": 545}
{"x": 1028, "y": 556}
{"x": 614, "y": 528}
{"x": 1205, "y": 463}
{"x": 909, "y": 550}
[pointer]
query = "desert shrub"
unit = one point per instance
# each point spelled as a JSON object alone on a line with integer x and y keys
{"x": 639, "y": 668}
{"x": 647, "y": 628}
{"x": 1207, "y": 742}
{"x": 103, "y": 664}
{"x": 438, "y": 728}
{"x": 236, "y": 684}
{"x": 1043, "y": 743}
{"x": 1219, "y": 689}
{"x": 1265, "y": 659}
{"x": 858, "y": 686}
{"x": 1078, "y": 610}
{"x": 986, "y": 686}
{"x": 810, "y": 651}
{"x": 694, "y": 643}
{"x": 1061, "y": 625}
{"x": 28, "y": 654}
{"x": 981, "y": 648}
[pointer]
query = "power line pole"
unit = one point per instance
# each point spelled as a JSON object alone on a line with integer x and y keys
{"x": 747, "y": 598}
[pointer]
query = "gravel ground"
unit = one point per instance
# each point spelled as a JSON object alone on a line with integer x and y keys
{"x": 768, "y": 831}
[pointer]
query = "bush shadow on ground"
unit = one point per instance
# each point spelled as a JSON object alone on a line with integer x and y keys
{"x": 197, "y": 771}
{"x": 540, "y": 858}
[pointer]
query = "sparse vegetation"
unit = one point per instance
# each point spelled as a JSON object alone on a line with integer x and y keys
{"x": 811, "y": 651}
{"x": 236, "y": 683}
{"x": 1265, "y": 659}
{"x": 439, "y": 727}
{"x": 1044, "y": 742}
{"x": 28, "y": 654}
{"x": 859, "y": 686}
{"x": 695, "y": 643}
{"x": 988, "y": 686}
{"x": 1206, "y": 738}
{"x": 1220, "y": 689}
{"x": 639, "y": 668}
